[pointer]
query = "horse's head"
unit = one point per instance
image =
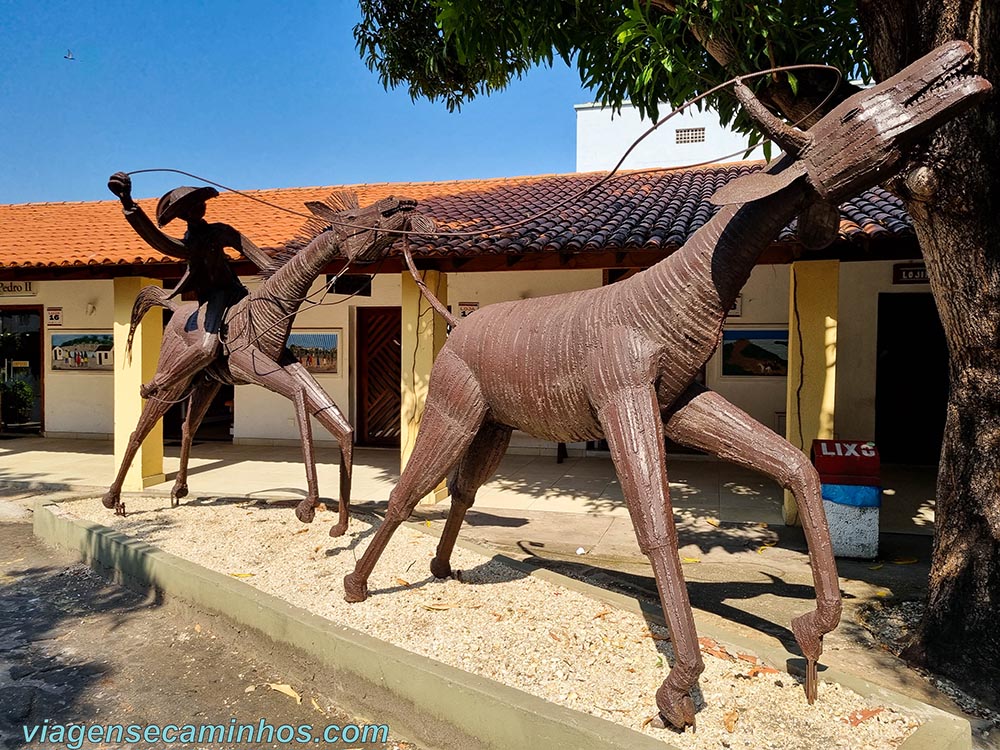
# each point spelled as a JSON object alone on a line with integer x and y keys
{"x": 363, "y": 234}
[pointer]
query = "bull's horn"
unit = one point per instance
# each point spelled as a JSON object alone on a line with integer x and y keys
{"x": 791, "y": 140}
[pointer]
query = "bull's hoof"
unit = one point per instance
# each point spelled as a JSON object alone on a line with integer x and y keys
{"x": 808, "y": 631}
{"x": 120, "y": 509}
{"x": 338, "y": 529}
{"x": 676, "y": 709}
{"x": 110, "y": 500}
{"x": 179, "y": 491}
{"x": 440, "y": 568}
{"x": 306, "y": 511}
{"x": 355, "y": 590}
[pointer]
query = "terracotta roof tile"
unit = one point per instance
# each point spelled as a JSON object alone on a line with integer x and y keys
{"x": 657, "y": 211}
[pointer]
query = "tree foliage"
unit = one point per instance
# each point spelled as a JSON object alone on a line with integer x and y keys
{"x": 456, "y": 50}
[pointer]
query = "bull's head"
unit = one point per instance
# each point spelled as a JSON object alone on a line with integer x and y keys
{"x": 864, "y": 140}
{"x": 364, "y": 234}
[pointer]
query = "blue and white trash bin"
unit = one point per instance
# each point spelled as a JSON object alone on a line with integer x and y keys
{"x": 850, "y": 473}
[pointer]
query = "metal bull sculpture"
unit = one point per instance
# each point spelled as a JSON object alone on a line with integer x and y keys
{"x": 257, "y": 328}
{"x": 619, "y": 362}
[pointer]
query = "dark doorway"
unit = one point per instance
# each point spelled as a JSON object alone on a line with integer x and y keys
{"x": 217, "y": 426}
{"x": 379, "y": 363}
{"x": 911, "y": 381}
{"x": 21, "y": 380}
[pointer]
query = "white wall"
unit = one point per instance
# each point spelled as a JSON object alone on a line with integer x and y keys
{"x": 601, "y": 139}
{"x": 765, "y": 305}
{"x": 857, "y": 344}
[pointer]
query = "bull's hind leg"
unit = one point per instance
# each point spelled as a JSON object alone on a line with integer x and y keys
{"x": 476, "y": 466}
{"x": 634, "y": 431}
{"x": 152, "y": 410}
{"x": 452, "y": 418}
{"x": 705, "y": 420}
{"x": 201, "y": 399}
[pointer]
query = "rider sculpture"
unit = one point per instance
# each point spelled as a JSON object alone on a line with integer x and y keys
{"x": 209, "y": 275}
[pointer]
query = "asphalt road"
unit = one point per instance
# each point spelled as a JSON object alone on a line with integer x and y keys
{"x": 75, "y": 648}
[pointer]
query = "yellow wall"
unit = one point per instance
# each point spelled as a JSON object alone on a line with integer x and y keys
{"x": 147, "y": 468}
{"x": 812, "y": 357}
{"x": 424, "y": 333}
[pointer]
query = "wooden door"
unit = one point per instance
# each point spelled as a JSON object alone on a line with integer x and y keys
{"x": 379, "y": 358}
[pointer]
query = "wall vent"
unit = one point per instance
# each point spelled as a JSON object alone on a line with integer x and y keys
{"x": 690, "y": 135}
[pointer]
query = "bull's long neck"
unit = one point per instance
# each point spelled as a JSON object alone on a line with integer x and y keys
{"x": 707, "y": 273}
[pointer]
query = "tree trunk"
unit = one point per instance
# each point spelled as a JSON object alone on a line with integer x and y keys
{"x": 952, "y": 191}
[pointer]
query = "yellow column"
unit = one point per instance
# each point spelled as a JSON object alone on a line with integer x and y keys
{"x": 812, "y": 358}
{"x": 423, "y": 335}
{"x": 147, "y": 467}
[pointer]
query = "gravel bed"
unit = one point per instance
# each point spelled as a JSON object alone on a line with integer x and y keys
{"x": 496, "y": 622}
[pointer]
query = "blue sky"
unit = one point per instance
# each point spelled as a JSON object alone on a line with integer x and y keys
{"x": 251, "y": 94}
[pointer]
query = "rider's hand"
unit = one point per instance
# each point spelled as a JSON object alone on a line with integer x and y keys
{"x": 121, "y": 185}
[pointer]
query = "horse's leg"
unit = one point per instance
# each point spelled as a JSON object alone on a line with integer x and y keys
{"x": 152, "y": 410}
{"x": 478, "y": 464}
{"x": 634, "y": 431}
{"x": 201, "y": 399}
{"x": 253, "y": 366}
{"x": 704, "y": 420}
{"x": 454, "y": 413}
{"x": 181, "y": 357}
{"x": 322, "y": 407}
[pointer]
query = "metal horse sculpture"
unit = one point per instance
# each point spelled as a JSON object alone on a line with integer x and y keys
{"x": 619, "y": 362}
{"x": 257, "y": 331}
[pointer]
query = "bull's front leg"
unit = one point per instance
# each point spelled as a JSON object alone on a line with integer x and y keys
{"x": 634, "y": 431}
{"x": 704, "y": 420}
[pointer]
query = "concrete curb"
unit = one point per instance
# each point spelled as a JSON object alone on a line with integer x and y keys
{"x": 431, "y": 702}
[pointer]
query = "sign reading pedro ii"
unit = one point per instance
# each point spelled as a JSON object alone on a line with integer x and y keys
{"x": 17, "y": 289}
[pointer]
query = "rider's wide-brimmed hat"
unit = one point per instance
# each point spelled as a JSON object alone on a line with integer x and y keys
{"x": 179, "y": 200}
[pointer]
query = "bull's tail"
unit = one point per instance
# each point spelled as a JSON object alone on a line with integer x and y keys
{"x": 149, "y": 296}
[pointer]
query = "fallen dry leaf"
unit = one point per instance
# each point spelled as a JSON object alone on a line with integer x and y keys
{"x": 903, "y": 560}
{"x": 712, "y": 522}
{"x": 402, "y": 582}
{"x": 438, "y": 606}
{"x": 862, "y": 715}
{"x": 197, "y": 628}
{"x": 729, "y": 719}
{"x": 300, "y": 531}
{"x": 690, "y": 560}
{"x": 286, "y": 689}
{"x": 316, "y": 706}
{"x": 747, "y": 657}
{"x": 758, "y": 669}
{"x": 242, "y": 575}
{"x": 250, "y": 688}
{"x": 877, "y": 566}
{"x": 602, "y": 613}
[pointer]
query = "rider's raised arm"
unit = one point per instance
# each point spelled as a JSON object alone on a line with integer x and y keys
{"x": 121, "y": 185}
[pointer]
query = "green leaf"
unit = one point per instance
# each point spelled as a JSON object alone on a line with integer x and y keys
{"x": 793, "y": 83}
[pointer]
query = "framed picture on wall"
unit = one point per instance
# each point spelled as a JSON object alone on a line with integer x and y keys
{"x": 87, "y": 351}
{"x": 319, "y": 351}
{"x": 754, "y": 352}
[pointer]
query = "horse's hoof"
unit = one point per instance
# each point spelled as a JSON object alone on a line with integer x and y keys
{"x": 355, "y": 590}
{"x": 338, "y": 530}
{"x": 676, "y": 708}
{"x": 306, "y": 511}
{"x": 440, "y": 568}
{"x": 109, "y": 501}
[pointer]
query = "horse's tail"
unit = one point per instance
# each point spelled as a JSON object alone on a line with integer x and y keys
{"x": 149, "y": 296}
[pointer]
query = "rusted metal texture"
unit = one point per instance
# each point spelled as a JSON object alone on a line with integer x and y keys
{"x": 619, "y": 362}
{"x": 192, "y": 364}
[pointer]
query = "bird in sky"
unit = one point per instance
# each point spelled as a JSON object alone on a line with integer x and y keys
{"x": 69, "y": 55}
